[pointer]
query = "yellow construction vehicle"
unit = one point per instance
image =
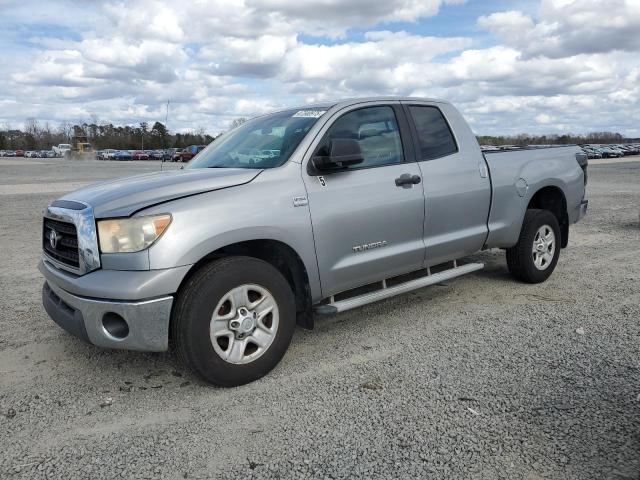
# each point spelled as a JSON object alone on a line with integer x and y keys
{"x": 80, "y": 148}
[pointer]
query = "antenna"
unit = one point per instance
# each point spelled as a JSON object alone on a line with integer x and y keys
{"x": 166, "y": 126}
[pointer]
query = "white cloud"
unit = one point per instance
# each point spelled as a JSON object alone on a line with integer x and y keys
{"x": 568, "y": 27}
{"x": 383, "y": 60}
{"x": 153, "y": 19}
{"x": 510, "y": 25}
{"x": 543, "y": 118}
{"x": 570, "y": 64}
{"x": 333, "y": 17}
{"x": 252, "y": 57}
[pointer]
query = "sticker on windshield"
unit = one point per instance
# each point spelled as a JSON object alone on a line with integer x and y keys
{"x": 309, "y": 113}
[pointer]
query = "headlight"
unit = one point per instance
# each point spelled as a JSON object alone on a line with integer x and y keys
{"x": 131, "y": 234}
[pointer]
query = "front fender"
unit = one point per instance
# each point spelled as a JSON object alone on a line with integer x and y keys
{"x": 261, "y": 210}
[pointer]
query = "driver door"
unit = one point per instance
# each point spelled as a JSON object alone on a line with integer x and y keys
{"x": 367, "y": 219}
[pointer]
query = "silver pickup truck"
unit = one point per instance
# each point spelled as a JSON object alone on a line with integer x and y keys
{"x": 312, "y": 210}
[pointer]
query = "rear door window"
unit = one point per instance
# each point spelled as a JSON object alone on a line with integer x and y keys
{"x": 434, "y": 135}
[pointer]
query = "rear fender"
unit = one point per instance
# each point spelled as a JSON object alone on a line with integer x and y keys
{"x": 518, "y": 176}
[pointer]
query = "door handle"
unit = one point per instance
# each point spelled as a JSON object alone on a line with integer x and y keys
{"x": 407, "y": 181}
{"x": 482, "y": 168}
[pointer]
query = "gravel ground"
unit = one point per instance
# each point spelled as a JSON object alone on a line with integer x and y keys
{"x": 481, "y": 377}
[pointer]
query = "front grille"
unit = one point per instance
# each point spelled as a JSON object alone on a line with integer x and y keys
{"x": 66, "y": 245}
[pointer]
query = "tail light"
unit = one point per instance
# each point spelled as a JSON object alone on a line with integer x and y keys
{"x": 583, "y": 161}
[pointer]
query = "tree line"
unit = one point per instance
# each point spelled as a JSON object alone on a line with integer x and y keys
{"x": 569, "y": 138}
{"x": 42, "y": 136}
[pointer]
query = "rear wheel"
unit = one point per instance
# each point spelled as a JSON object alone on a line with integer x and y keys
{"x": 535, "y": 256}
{"x": 233, "y": 320}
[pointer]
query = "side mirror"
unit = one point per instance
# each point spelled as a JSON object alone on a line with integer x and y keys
{"x": 343, "y": 152}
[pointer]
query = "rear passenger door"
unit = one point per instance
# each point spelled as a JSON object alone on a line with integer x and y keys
{"x": 367, "y": 220}
{"x": 456, "y": 182}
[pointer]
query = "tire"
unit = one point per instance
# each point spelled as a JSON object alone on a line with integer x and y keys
{"x": 211, "y": 291}
{"x": 525, "y": 264}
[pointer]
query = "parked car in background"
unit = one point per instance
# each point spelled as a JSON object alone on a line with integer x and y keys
{"x": 62, "y": 149}
{"x": 489, "y": 148}
{"x": 608, "y": 152}
{"x": 155, "y": 154}
{"x": 591, "y": 152}
{"x": 123, "y": 155}
{"x": 168, "y": 154}
{"x": 187, "y": 153}
{"x": 19, "y": 153}
{"x": 618, "y": 151}
{"x": 140, "y": 155}
{"x": 107, "y": 154}
{"x": 628, "y": 149}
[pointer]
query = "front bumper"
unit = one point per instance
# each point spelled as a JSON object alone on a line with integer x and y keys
{"x": 143, "y": 299}
{"x": 147, "y": 321}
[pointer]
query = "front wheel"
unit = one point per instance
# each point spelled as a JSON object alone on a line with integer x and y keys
{"x": 233, "y": 320}
{"x": 535, "y": 256}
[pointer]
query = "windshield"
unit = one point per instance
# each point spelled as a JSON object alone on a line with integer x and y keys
{"x": 264, "y": 142}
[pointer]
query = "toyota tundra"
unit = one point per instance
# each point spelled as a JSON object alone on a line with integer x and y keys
{"x": 303, "y": 212}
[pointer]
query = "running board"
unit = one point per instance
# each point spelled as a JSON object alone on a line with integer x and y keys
{"x": 387, "y": 292}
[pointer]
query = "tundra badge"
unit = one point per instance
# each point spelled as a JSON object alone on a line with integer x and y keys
{"x": 369, "y": 246}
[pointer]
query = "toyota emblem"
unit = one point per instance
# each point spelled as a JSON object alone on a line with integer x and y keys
{"x": 53, "y": 238}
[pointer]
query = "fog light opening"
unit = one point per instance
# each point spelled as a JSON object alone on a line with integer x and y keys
{"x": 115, "y": 325}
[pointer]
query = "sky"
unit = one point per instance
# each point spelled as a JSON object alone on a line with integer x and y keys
{"x": 511, "y": 67}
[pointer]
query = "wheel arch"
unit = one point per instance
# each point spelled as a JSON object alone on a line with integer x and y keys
{"x": 278, "y": 254}
{"x": 552, "y": 198}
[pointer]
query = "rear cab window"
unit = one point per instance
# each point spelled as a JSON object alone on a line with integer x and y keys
{"x": 434, "y": 134}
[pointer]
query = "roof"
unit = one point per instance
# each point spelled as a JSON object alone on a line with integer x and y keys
{"x": 353, "y": 101}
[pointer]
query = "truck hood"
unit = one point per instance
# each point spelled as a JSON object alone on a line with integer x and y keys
{"x": 124, "y": 196}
